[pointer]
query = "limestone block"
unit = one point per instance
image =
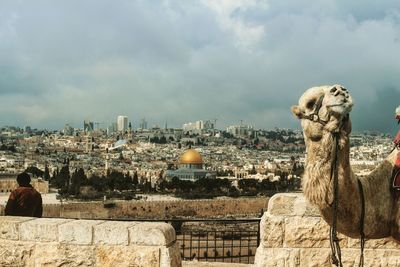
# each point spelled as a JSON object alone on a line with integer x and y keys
{"x": 9, "y": 226}
{"x": 277, "y": 257}
{"x": 171, "y": 256}
{"x": 308, "y": 232}
{"x": 383, "y": 243}
{"x": 272, "y": 230}
{"x": 112, "y": 233}
{"x": 282, "y": 204}
{"x": 152, "y": 234}
{"x": 15, "y": 253}
{"x": 303, "y": 208}
{"x": 55, "y": 254}
{"x": 137, "y": 256}
{"x": 381, "y": 257}
{"x": 317, "y": 257}
{"x": 77, "y": 232}
{"x": 350, "y": 257}
{"x": 44, "y": 229}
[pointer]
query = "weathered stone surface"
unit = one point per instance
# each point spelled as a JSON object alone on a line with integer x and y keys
{"x": 15, "y": 253}
{"x": 272, "y": 230}
{"x": 282, "y": 204}
{"x": 112, "y": 233}
{"x": 77, "y": 232}
{"x": 171, "y": 256}
{"x": 277, "y": 257}
{"x": 45, "y": 229}
{"x": 55, "y": 254}
{"x": 350, "y": 257}
{"x": 308, "y": 232}
{"x": 60, "y": 242}
{"x": 306, "y": 240}
{"x": 137, "y": 256}
{"x": 9, "y": 226}
{"x": 152, "y": 234}
{"x": 384, "y": 243}
{"x": 301, "y": 207}
{"x": 317, "y": 257}
{"x": 381, "y": 257}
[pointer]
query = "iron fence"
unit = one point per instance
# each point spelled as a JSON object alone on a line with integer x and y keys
{"x": 217, "y": 240}
{"x": 222, "y": 246}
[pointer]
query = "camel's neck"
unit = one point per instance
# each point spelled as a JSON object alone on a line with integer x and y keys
{"x": 317, "y": 182}
{"x": 317, "y": 187}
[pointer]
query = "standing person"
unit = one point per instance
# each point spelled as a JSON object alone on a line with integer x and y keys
{"x": 25, "y": 200}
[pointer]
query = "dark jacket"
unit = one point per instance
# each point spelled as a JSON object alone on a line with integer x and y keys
{"x": 24, "y": 201}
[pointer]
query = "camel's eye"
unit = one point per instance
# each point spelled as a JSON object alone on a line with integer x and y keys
{"x": 310, "y": 104}
{"x": 333, "y": 90}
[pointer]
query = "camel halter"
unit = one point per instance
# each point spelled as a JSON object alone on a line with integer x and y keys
{"x": 315, "y": 115}
{"x": 336, "y": 255}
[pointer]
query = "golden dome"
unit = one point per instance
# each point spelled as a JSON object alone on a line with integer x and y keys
{"x": 191, "y": 157}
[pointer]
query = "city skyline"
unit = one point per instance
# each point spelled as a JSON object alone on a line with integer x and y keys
{"x": 182, "y": 61}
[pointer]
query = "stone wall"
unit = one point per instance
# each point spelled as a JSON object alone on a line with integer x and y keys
{"x": 294, "y": 234}
{"x": 7, "y": 185}
{"x": 28, "y": 241}
{"x": 239, "y": 207}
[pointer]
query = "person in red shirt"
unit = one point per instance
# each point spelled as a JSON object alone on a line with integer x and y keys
{"x": 25, "y": 200}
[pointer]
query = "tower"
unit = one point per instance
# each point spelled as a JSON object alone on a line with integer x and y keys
{"x": 106, "y": 165}
{"x": 122, "y": 123}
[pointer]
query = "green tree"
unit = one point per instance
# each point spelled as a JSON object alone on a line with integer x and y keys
{"x": 46, "y": 175}
{"x": 36, "y": 172}
{"x": 62, "y": 179}
{"x": 77, "y": 179}
{"x": 135, "y": 179}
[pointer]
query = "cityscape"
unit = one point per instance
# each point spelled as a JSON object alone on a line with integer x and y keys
{"x": 203, "y": 133}
{"x": 81, "y": 163}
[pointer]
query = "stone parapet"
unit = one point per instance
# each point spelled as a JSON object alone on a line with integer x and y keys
{"x": 237, "y": 207}
{"x": 293, "y": 234}
{"x": 28, "y": 241}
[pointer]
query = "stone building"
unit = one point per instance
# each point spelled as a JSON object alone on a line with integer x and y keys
{"x": 190, "y": 167}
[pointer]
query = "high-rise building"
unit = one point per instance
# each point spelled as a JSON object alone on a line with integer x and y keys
{"x": 198, "y": 125}
{"x": 143, "y": 124}
{"x": 240, "y": 130}
{"x": 88, "y": 126}
{"x": 68, "y": 130}
{"x": 112, "y": 128}
{"x": 122, "y": 123}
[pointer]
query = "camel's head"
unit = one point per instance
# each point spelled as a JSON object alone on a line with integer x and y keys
{"x": 324, "y": 109}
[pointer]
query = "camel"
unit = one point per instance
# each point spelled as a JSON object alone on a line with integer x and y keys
{"x": 324, "y": 111}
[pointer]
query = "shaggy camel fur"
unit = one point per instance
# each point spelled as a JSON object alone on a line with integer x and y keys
{"x": 382, "y": 213}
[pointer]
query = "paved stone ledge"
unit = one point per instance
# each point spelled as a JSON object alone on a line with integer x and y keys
{"x": 294, "y": 234}
{"x": 28, "y": 241}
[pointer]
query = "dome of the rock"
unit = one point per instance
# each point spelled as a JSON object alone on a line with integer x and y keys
{"x": 191, "y": 156}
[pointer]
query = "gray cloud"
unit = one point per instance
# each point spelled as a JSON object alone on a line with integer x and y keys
{"x": 186, "y": 60}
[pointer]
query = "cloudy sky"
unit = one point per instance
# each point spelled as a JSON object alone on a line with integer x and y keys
{"x": 185, "y": 60}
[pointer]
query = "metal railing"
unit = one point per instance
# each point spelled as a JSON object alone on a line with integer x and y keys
{"x": 221, "y": 246}
{"x": 217, "y": 240}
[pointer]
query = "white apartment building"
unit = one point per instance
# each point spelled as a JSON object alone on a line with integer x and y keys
{"x": 122, "y": 123}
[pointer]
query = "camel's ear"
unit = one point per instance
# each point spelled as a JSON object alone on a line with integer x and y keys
{"x": 296, "y": 110}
